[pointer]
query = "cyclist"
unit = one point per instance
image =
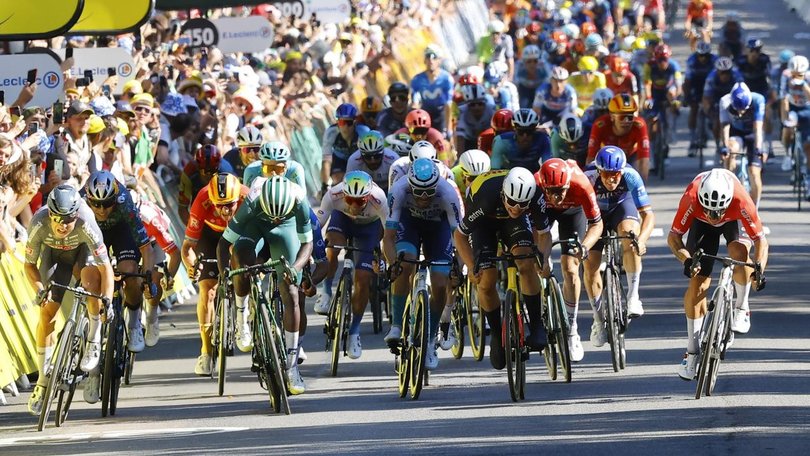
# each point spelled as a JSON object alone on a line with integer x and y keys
{"x": 433, "y": 90}
{"x": 571, "y": 202}
{"x": 715, "y": 204}
{"x": 370, "y": 108}
{"x": 526, "y": 146}
{"x": 422, "y": 149}
{"x": 64, "y": 237}
{"x": 529, "y": 75}
{"x": 795, "y": 98}
{"x": 622, "y": 128}
{"x": 662, "y": 82}
{"x": 503, "y": 207}
{"x": 373, "y": 158}
{"x": 424, "y": 210}
{"x": 274, "y": 160}
{"x": 474, "y": 117}
{"x": 418, "y": 126}
{"x": 211, "y": 211}
{"x": 755, "y": 67}
{"x": 568, "y": 141}
{"x": 620, "y": 79}
{"x": 718, "y": 83}
{"x": 503, "y": 91}
{"x": 280, "y": 215}
{"x": 600, "y": 107}
{"x": 698, "y": 22}
{"x": 742, "y": 114}
{"x": 698, "y": 67}
{"x": 731, "y": 35}
{"x": 554, "y": 98}
{"x": 625, "y": 208}
{"x": 356, "y": 211}
{"x": 400, "y": 143}
{"x": 501, "y": 122}
{"x": 196, "y": 174}
{"x": 392, "y": 118}
{"x": 587, "y": 81}
{"x": 248, "y": 142}
{"x": 471, "y": 164}
{"x": 339, "y": 141}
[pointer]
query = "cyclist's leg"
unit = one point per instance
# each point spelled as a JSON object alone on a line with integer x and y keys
{"x": 437, "y": 244}
{"x": 151, "y": 307}
{"x": 518, "y": 237}
{"x": 282, "y": 241}
{"x": 738, "y": 249}
{"x": 50, "y": 270}
{"x": 706, "y": 237}
{"x": 244, "y": 254}
{"x": 691, "y": 122}
{"x": 755, "y": 162}
{"x": 335, "y": 235}
{"x": 206, "y": 247}
{"x": 407, "y": 242}
{"x": 735, "y": 146}
{"x": 484, "y": 242}
{"x": 366, "y": 237}
{"x": 571, "y": 221}
{"x": 629, "y": 220}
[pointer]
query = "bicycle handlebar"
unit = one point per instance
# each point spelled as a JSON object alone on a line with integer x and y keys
{"x": 76, "y": 290}
{"x": 727, "y": 261}
{"x": 630, "y": 235}
{"x": 267, "y": 266}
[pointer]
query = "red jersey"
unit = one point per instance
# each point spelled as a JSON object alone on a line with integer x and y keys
{"x": 629, "y": 85}
{"x": 485, "y": 140}
{"x": 203, "y": 211}
{"x": 580, "y": 194}
{"x": 705, "y": 10}
{"x": 157, "y": 225}
{"x": 635, "y": 142}
{"x": 742, "y": 209}
{"x": 433, "y": 136}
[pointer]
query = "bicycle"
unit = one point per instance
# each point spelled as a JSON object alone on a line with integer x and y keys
{"x": 269, "y": 356}
{"x": 795, "y": 151}
{"x": 671, "y": 9}
{"x": 223, "y": 326}
{"x": 741, "y": 169}
{"x": 63, "y": 370}
{"x": 466, "y": 314}
{"x": 716, "y": 335}
{"x": 555, "y": 317}
{"x": 702, "y": 135}
{"x": 658, "y": 129}
{"x": 411, "y": 349}
{"x": 377, "y": 292}
{"x": 613, "y": 297}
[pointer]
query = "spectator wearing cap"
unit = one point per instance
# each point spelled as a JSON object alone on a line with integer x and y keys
{"x": 242, "y": 104}
{"x": 433, "y": 90}
{"x": 497, "y": 45}
{"x": 175, "y": 122}
{"x": 144, "y": 151}
{"x": 73, "y": 139}
{"x": 127, "y": 127}
{"x": 131, "y": 88}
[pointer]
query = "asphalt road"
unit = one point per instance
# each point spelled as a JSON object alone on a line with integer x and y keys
{"x": 761, "y": 403}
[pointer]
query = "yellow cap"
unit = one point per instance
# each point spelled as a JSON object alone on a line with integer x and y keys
{"x": 123, "y": 128}
{"x": 133, "y": 86}
{"x": 142, "y": 99}
{"x": 96, "y": 125}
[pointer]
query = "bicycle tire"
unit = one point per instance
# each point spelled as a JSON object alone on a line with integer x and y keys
{"x": 511, "y": 348}
{"x": 109, "y": 364}
{"x": 611, "y": 300}
{"x": 420, "y": 344}
{"x": 130, "y": 366}
{"x": 336, "y": 321}
{"x": 261, "y": 336}
{"x": 707, "y": 340}
{"x": 723, "y": 326}
{"x": 74, "y": 375}
{"x": 523, "y": 350}
{"x": 224, "y": 333}
{"x": 376, "y": 304}
{"x": 457, "y": 318}
{"x": 59, "y": 364}
{"x": 660, "y": 139}
{"x": 561, "y": 315}
{"x": 550, "y": 350}
{"x": 475, "y": 323}
{"x": 279, "y": 369}
{"x": 403, "y": 358}
{"x": 124, "y": 362}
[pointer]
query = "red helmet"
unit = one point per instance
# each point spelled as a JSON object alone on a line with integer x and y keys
{"x": 468, "y": 79}
{"x": 208, "y": 157}
{"x": 662, "y": 52}
{"x": 418, "y": 118}
{"x": 559, "y": 37}
{"x": 502, "y": 120}
{"x": 617, "y": 64}
{"x": 577, "y": 47}
{"x": 587, "y": 28}
{"x": 555, "y": 172}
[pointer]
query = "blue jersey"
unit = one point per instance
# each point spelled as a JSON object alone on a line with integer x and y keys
{"x": 506, "y": 154}
{"x": 552, "y": 106}
{"x": 318, "y": 244}
{"x": 631, "y": 186}
{"x": 696, "y": 73}
{"x": 755, "y": 74}
{"x": 432, "y": 95}
{"x": 661, "y": 80}
{"x": 714, "y": 89}
{"x": 742, "y": 123}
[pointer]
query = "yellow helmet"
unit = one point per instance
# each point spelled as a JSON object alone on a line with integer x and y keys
{"x": 639, "y": 44}
{"x": 588, "y": 63}
{"x": 224, "y": 189}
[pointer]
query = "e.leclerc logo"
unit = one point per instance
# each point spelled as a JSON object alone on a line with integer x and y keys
{"x": 50, "y": 79}
{"x": 125, "y": 69}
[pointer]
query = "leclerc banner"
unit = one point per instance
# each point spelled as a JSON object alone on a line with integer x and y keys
{"x": 37, "y": 19}
{"x": 14, "y": 71}
{"x": 99, "y": 60}
{"x": 244, "y": 34}
{"x": 104, "y": 17}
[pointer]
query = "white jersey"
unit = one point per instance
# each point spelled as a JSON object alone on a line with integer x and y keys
{"x": 445, "y": 204}
{"x": 376, "y": 208}
{"x": 379, "y": 175}
{"x": 402, "y": 165}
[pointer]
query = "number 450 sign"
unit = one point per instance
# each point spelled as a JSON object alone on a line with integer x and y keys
{"x": 199, "y": 33}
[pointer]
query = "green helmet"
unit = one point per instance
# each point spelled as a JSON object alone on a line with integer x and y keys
{"x": 371, "y": 143}
{"x": 279, "y": 196}
{"x": 274, "y": 150}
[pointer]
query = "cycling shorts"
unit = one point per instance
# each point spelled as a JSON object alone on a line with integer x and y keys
{"x": 364, "y": 236}
{"x": 707, "y": 237}
{"x": 747, "y": 145}
{"x": 512, "y": 232}
{"x": 119, "y": 239}
{"x": 435, "y": 238}
{"x": 571, "y": 221}
{"x": 58, "y": 266}
{"x": 626, "y": 210}
{"x": 804, "y": 121}
{"x": 207, "y": 248}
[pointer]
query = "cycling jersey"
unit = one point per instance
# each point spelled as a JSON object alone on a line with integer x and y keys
{"x": 295, "y": 172}
{"x": 742, "y": 209}
{"x": 527, "y": 84}
{"x": 635, "y": 143}
{"x": 629, "y": 84}
{"x": 191, "y": 180}
{"x": 124, "y": 212}
{"x": 696, "y": 73}
{"x": 506, "y": 153}
{"x": 755, "y": 74}
{"x": 585, "y": 89}
{"x": 552, "y": 107}
{"x": 699, "y": 13}
{"x": 251, "y": 222}
{"x": 388, "y": 121}
{"x": 203, "y": 213}
{"x": 375, "y": 210}
{"x": 745, "y": 123}
{"x": 577, "y": 151}
{"x": 336, "y": 148}
{"x": 469, "y": 127}
{"x": 401, "y": 167}
{"x": 157, "y": 225}
{"x": 485, "y": 140}
{"x": 794, "y": 89}
{"x": 662, "y": 80}
{"x": 444, "y": 206}
{"x": 630, "y": 186}
{"x": 434, "y": 137}
{"x": 580, "y": 194}
{"x": 433, "y": 96}
{"x": 506, "y": 97}
{"x": 379, "y": 175}
{"x": 86, "y": 233}
{"x": 483, "y": 203}
{"x": 714, "y": 89}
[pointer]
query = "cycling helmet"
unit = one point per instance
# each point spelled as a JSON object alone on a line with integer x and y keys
{"x": 467, "y": 79}
{"x": 401, "y": 143}
{"x": 593, "y": 40}
{"x": 357, "y": 184}
{"x": 224, "y": 188}
{"x": 559, "y": 73}
{"x": 275, "y": 150}
{"x": 495, "y": 72}
{"x": 474, "y": 162}
{"x": 740, "y": 97}
{"x": 601, "y": 99}
{"x": 525, "y": 118}
{"x": 610, "y": 158}
{"x": 754, "y": 43}
{"x": 208, "y": 157}
{"x": 423, "y": 175}
{"x": 704, "y": 48}
{"x": 496, "y": 26}
{"x": 531, "y": 52}
{"x": 278, "y": 197}
{"x": 628, "y": 42}
{"x": 249, "y": 136}
{"x": 785, "y": 55}
{"x": 723, "y": 64}
{"x": 559, "y": 37}
{"x": 571, "y": 31}
{"x": 64, "y": 201}
{"x": 662, "y": 52}
{"x": 639, "y": 44}
{"x": 519, "y": 185}
{"x": 101, "y": 186}
{"x": 555, "y": 173}
{"x": 716, "y": 190}
{"x": 588, "y": 63}
{"x": 551, "y": 46}
{"x": 422, "y": 149}
{"x": 371, "y": 105}
{"x": 502, "y": 120}
{"x": 398, "y": 87}
{"x": 346, "y": 111}
{"x": 473, "y": 92}
{"x": 618, "y": 65}
{"x": 798, "y": 64}
{"x": 586, "y": 29}
{"x": 371, "y": 143}
{"x": 418, "y": 118}
{"x": 623, "y": 103}
{"x": 570, "y": 128}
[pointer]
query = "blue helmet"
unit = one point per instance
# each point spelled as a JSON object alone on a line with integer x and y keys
{"x": 785, "y": 56}
{"x": 610, "y": 158}
{"x": 346, "y": 111}
{"x": 740, "y": 97}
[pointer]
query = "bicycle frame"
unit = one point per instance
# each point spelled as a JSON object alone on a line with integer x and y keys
{"x": 614, "y": 301}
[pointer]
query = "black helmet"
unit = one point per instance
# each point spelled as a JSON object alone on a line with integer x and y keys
{"x": 398, "y": 87}
{"x": 64, "y": 201}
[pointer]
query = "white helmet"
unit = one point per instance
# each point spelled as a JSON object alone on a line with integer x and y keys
{"x": 723, "y": 64}
{"x": 422, "y": 149}
{"x": 519, "y": 185}
{"x": 530, "y": 52}
{"x": 474, "y": 162}
{"x": 716, "y": 189}
{"x": 570, "y": 128}
{"x": 559, "y": 73}
{"x": 601, "y": 98}
{"x": 249, "y": 136}
{"x": 798, "y": 64}
{"x": 496, "y": 26}
{"x": 473, "y": 92}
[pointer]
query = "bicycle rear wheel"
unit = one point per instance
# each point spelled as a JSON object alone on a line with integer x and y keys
{"x": 511, "y": 343}
{"x": 706, "y": 352}
{"x": 277, "y": 367}
{"x": 457, "y": 318}
{"x": 612, "y": 300}
{"x": 376, "y": 304}
{"x": 419, "y": 345}
{"x": 59, "y": 366}
{"x": 337, "y": 319}
{"x": 475, "y": 323}
{"x": 403, "y": 358}
{"x": 561, "y": 316}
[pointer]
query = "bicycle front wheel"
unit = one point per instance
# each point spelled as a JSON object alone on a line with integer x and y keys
{"x": 511, "y": 340}
{"x": 721, "y": 338}
{"x": 403, "y": 358}
{"x": 224, "y": 333}
{"x": 72, "y": 377}
{"x": 277, "y": 366}
{"x": 108, "y": 373}
{"x": 708, "y": 334}
{"x": 612, "y": 300}
{"x": 376, "y": 304}
{"x": 419, "y": 341}
{"x": 475, "y": 323}
{"x": 59, "y": 366}
{"x": 340, "y": 308}
{"x": 561, "y": 335}
{"x": 457, "y": 318}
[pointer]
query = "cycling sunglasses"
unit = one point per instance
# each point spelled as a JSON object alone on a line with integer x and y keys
{"x": 104, "y": 204}
{"x": 524, "y": 132}
{"x": 556, "y": 191}
{"x": 269, "y": 168}
{"x": 625, "y": 117}
{"x": 345, "y": 122}
{"x": 251, "y": 149}
{"x": 354, "y": 201}
{"x": 610, "y": 174}
{"x": 714, "y": 215}
{"x": 372, "y": 157}
{"x": 518, "y": 204}
{"x": 399, "y": 98}
{"x": 424, "y": 193}
{"x": 64, "y": 219}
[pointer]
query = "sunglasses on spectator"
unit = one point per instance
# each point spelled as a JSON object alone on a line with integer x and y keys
{"x": 714, "y": 215}
{"x": 104, "y": 204}
{"x": 64, "y": 219}
{"x": 143, "y": 109}
{"x": 431, "y": 56}
{"x": 399, "y": 98}
{"x": 345, "y": 122}
{"x": 424, "y": 193}
{"x": 518, "y": 204}
{"x": 353, "y": 201}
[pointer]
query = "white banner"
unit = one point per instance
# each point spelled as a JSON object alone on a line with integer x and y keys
{"x": 244, "y": 34}
{"x": 328, "y": 11}
{"x": 98, "y": 60}
{"x": 14, "y": 72}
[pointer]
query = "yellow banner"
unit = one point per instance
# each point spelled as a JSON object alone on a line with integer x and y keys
{"x": 35, "y": 19}
{"x": 106, "y": 17}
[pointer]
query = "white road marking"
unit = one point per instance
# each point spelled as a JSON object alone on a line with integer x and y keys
{"x": 118, "y": 434}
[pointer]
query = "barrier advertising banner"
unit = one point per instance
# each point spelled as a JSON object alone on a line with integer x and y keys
{"x": 104, "y": 17}
{"x": 244, "y": 34}
{"x": 35, "y": 19}
{"x": 99, "y": 60}
{"x": 13, "y": 74}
